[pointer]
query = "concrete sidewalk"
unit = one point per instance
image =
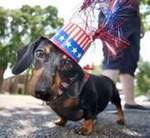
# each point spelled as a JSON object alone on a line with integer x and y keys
{"x": 27, "y": 117}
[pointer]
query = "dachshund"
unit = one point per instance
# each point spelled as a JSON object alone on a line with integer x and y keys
{"x": 70, "y": 91}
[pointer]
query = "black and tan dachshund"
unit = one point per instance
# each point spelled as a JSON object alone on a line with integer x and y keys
{"x": 66, "y": 88}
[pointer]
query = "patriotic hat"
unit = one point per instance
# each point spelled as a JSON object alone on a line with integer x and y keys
{"x": 72, "y": 40}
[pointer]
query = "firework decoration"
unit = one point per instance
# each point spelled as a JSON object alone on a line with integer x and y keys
{"x": 75, "y": 37}
{"x": 111, "y": 30}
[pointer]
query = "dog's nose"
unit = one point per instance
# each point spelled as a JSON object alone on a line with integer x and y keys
{"x": 42, "y": 94}
{"x": 39, "y": 93}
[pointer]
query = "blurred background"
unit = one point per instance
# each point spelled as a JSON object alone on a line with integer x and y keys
{"x": 23, "y": 21}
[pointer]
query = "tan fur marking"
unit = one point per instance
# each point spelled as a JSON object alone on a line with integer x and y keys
{"x": 56, "y": 82}
{"x": 36, "y": 74}
{"x": 87, "y": 128}
{"x": 60, "y": 122}
{"x": 71, "y": 103}
{"x": 48, "y": 49}
{"x": 120, "y": 117}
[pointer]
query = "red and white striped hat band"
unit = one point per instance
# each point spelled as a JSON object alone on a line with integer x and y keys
{"x": 72, "y": 40}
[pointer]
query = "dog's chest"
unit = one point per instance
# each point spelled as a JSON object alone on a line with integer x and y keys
{"x": 66, "y": 107}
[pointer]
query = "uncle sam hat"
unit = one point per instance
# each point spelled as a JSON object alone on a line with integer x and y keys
{"x": 72, "y": 40}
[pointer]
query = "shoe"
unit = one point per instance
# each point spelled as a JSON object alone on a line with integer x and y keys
{"x": 137, "y": 106}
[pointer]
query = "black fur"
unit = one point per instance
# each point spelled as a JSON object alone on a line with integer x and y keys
{"x": 88, "y": 97}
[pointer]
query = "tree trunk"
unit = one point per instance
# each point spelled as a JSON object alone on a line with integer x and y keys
{"x": 26, "y": 82}
{"x": 1, "y": 78}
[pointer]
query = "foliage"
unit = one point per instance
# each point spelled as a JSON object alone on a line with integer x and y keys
{"x": 143, "y": 78}
{"x": 145, "y": 2}
{"x": 19, "y": 27}
{"x": 145, "y": 13}
{"x": 3, "y": 35}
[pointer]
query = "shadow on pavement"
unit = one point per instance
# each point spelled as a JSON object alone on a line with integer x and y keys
{"x": 37, "y": 121}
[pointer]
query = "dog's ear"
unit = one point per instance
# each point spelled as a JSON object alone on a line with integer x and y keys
{"x": 25, "y": 57}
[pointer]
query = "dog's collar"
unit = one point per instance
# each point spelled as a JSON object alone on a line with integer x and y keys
{"x": 86, "y": 76}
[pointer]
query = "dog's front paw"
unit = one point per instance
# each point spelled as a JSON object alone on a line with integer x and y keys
{"x": 120, "y": 117}
{"x": 60, "y": 122}
{"x": 87, "y": 128}
{"x": 84, "y": 131}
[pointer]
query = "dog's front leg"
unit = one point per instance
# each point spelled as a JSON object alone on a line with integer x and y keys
{"x": 120, "y": 119}
{"x": 61, "y": 122}
{"x": 87, "y": 127}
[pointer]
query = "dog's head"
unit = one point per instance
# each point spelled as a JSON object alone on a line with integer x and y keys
{"x": 49, "y": 67}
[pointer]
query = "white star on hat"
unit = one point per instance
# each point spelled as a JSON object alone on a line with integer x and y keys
{"x": 62, "y": 38}
{"x": 79, "y": 55}
{"x": 68, "y": 44}
{"x": 74, "y": 50}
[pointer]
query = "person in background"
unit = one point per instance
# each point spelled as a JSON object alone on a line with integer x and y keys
{"x": 125, "y": 64}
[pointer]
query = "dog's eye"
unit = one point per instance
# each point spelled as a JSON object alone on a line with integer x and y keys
{"x": 40, "y": 54}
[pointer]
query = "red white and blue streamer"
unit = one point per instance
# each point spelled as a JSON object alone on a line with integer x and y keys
{"x": 110, "y": 30}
